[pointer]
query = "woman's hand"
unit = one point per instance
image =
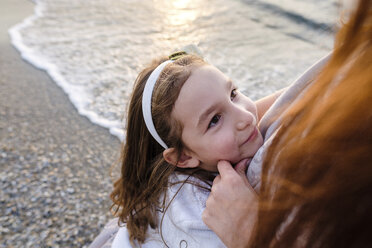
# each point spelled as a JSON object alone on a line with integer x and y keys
{"x": 231, "y": 208}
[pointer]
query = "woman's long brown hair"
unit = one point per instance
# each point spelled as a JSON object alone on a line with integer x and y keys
{"x": 138, "y": 193}
{"x": 317, "y": 176}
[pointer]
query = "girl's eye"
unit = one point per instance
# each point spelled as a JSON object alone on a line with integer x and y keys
{"x": 214, "y": 121}
{"x": 233, "y": 94}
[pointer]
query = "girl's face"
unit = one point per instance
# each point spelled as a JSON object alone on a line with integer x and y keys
{"x": 219, "y": 122}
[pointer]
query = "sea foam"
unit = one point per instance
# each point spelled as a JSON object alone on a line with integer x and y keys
{"x": 94, "y": 49}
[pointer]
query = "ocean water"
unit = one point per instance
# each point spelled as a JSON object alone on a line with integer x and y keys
{"x": 94, "y": 49}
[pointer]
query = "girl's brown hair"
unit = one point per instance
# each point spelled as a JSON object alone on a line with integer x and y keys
{"x": 144, "y": 172}
{"x": 317, "y": 175}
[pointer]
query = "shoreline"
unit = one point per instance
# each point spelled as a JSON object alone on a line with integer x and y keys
{"x": 55, "y": 164}
{"x": 42, "y": 63}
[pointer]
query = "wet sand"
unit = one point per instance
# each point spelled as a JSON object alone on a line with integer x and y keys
{"x": 54, "y": 164}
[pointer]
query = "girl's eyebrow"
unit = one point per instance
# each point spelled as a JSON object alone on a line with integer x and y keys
{"x": 205, "y": 114}
{"x": 209, "y": 110}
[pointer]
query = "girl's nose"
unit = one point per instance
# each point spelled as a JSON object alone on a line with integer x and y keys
{"x": 245, "y": 119}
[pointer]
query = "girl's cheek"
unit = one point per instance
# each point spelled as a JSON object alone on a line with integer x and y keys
{"x": 227, "y": 142}
{"x": 252, "y": 108}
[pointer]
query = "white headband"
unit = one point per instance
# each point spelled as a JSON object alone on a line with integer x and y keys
{"x": 146, "y": 102}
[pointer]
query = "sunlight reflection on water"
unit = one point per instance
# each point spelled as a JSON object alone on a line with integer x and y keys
{"x": 99, "y": 46}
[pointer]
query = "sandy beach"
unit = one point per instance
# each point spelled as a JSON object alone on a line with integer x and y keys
{"x": 54, "y": 164}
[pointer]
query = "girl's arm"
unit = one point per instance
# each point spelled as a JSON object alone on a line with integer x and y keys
{"x": 310, "y": 74}
{"x": 265, "y": 103}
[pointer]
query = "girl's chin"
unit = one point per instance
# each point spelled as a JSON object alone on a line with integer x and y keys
{"x": 211, "y": 168}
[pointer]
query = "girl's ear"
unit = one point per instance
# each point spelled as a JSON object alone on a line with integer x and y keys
{"x": 185, "y": 161}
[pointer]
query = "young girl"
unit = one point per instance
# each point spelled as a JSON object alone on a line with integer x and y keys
{"x": 184, "y": 116}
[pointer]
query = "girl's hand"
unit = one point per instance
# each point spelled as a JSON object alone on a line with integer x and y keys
{"x": 231, "y": 208}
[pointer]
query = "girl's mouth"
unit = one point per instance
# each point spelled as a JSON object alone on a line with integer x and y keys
{"x": 252, "y": 136}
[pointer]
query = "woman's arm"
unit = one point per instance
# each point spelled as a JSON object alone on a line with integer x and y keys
{"x": 265, "y": 103}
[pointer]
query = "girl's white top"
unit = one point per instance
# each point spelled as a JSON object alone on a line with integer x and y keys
{"x": 182, "y": 225}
